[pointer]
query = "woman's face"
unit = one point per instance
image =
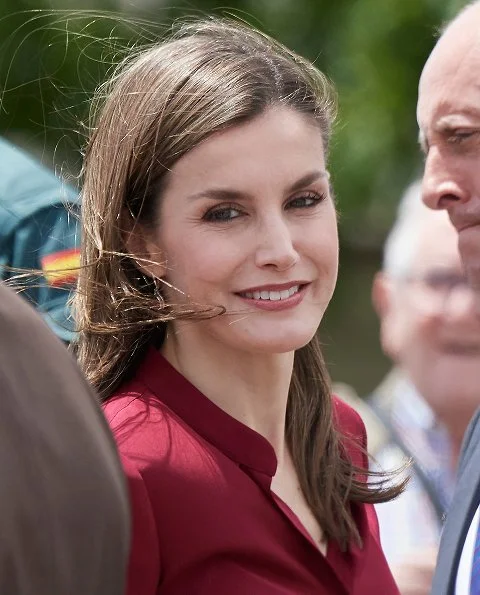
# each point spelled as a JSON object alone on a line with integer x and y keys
{"x": 247, "y": 222}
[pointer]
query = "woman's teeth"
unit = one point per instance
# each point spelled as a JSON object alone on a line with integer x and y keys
{"x": 271, "y": 295}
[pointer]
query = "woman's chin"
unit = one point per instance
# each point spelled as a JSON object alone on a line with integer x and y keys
{"x": 280, "y": 344}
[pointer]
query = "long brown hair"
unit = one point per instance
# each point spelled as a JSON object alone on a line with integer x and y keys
{"x": 210, "y": 75}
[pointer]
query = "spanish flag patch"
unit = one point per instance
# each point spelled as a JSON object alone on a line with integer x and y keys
{"x": 61, "y": 268}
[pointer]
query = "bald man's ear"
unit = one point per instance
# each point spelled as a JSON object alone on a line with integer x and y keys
{"x": 142, "y": 247}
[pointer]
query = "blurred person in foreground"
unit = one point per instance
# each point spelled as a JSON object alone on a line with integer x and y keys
{"x": 430, "y": 330}
{"x": 63, "y": 507}
{"x": 38, "y": 232}
{"x": 448, "y": 114}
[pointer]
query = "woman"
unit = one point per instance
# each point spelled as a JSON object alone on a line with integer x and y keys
{"x": 210, "y": 255}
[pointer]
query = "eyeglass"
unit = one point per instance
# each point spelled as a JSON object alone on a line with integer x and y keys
{"x": 437, "y": 286}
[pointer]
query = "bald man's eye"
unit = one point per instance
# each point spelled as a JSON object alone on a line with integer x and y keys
{"x": 460, "y": 136}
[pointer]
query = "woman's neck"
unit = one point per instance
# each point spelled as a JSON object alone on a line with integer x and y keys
{"x": 251, "y": 387}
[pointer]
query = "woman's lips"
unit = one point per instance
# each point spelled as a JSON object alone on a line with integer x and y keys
{"x": 275, "y": 299}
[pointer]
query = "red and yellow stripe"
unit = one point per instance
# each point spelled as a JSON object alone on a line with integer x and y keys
{"x": 61, "y": 267}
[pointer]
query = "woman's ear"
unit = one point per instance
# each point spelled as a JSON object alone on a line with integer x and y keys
{"x": 143, "y": 248}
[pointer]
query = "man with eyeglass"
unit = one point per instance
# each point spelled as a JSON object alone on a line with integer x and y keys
{"x": 430, "y": 330}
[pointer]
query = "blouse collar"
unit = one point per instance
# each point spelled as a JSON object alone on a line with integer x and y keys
{"x": 236, "y": 440}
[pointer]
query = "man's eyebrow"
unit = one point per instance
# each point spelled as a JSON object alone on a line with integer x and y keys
{"x": 231, "y": 194}
{"x": 452, "y": 121}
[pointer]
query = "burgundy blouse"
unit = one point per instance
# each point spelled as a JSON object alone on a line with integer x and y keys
{"x": 205, "y": 521}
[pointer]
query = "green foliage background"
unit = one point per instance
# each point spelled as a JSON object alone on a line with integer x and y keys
{"x": 53, "y": 57}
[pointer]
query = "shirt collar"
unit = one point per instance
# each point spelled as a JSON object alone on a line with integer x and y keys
{"x": 236, "y": 440}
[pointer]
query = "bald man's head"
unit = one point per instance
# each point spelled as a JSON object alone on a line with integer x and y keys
{"x": 448, "y": 115}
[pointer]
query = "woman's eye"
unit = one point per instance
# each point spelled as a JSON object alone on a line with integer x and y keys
{"x": 221, "y": 215}
{"x": 306, "y": 201}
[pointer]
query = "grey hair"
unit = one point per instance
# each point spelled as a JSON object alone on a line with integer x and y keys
{"x": 400, "y": 248}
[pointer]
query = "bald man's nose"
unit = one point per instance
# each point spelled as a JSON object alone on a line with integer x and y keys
{"x": 442, "y": 184}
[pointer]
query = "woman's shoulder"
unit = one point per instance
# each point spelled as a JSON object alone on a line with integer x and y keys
{"x": 138, "y": 418}
{"x": 131, "y": 400}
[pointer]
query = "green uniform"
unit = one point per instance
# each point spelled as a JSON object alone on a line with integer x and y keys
{"x": 38, "y": 230}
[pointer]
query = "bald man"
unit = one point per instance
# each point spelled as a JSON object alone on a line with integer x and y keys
{"x": 64, "y": 513}
{"x": 449, "y": 119}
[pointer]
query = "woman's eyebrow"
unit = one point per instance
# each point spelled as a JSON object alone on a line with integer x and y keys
{"x": 308, "y": 179}
{"x": 231, "y": 194}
